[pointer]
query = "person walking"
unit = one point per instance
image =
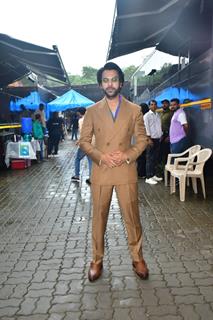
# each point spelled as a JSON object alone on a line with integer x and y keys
{"x": 114, "y": 121}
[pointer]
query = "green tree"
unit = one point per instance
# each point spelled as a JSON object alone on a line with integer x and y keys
{"x": 128, "y": 72}
{"x": 75, "y": 79}
{"x": 157, "y": 77}
{"x": 88, "y": 76}
{"x": 89, "y": 73}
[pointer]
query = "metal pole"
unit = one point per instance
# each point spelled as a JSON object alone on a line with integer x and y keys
{"x": 55, "y": 48}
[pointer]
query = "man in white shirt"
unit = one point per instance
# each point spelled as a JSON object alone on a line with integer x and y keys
{"x": 41, "y": 111}
{"x": 152, "y": 123}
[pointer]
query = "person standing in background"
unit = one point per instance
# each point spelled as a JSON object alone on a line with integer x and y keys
{"x": 80, "y": 153}
{"x": 166, "y": 116}
{"x": 38, "y": 134}
{"x": 41, "y": 111}
{"x": 154, "y": 132}
{"x": 74, "y": 135}
{"x": 178, "y": 129}
{"x": 54, "y": 127}
{"x": 141, "y": 161}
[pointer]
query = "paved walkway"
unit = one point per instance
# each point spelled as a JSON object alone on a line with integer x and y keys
{"x": 45, "y": 246}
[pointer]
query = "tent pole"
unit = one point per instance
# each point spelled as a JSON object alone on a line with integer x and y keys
{"x": 55, "y": 48}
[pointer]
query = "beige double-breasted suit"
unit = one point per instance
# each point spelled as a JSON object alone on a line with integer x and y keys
{"x": 113, "y": 135}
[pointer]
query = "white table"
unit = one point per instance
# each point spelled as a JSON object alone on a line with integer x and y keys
{"x": 21, "y": 150}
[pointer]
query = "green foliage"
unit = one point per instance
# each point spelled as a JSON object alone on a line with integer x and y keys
{"x": 156, "y": 78}
{"x": 128, "y": 72}
{"x": 75, "y": 79}
{"x": 89, "y": 75}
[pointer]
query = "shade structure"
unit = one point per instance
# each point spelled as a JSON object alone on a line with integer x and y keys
{"x": 70, "y": 100}
{"x": 173, "y": 26}
{"x": 140, "y": 24}
{"x": 31, "y": 102}
{"x": 19, "y": 58}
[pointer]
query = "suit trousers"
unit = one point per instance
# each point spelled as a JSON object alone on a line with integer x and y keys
{"x": 127, "y": 195}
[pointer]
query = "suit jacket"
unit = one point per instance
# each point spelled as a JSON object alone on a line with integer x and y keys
{"x": 111, "y": 136}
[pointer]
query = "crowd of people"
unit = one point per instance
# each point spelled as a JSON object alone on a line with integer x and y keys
{"x": 166, "y": 128}
{"x": 167, "y": 131}
{"x": 47, "y": 132}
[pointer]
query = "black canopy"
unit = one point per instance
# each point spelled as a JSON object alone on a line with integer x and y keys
{"x": 167, "y": 24}
{"x": 19, "y": 58}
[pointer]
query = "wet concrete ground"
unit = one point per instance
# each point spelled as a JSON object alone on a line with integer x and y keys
{"x": 45, "y": 246}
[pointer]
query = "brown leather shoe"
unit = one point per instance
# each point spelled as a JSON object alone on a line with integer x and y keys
{"x": 141, "y": 269}
{"x": 95, "y": 271}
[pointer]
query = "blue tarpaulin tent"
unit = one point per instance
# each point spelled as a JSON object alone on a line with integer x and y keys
{"x": 70, "y": 100}
{"x": 173, "y": 92}
{"x": 30, "y": 102}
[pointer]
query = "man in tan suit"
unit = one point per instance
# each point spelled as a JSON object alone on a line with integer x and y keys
{"x": 114, "y": 121}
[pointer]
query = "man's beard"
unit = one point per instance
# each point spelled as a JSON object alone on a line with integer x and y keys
{"x": 112, "y": 95}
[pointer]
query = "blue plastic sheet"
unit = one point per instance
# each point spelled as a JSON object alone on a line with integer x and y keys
{"x": 70, "y": 100}
{"x": 30, "y": 102}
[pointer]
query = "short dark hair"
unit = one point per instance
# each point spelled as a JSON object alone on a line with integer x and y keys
{"x": 82, "y": 110}
{"x": 175, "y": 100}
{"x": 110, "y": 66}
{"x": 165, "y": 100}
{"x": 152, "y": 101}
{"x": 144, "y": 107}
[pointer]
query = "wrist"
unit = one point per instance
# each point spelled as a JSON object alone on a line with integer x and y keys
{"x": 127, "y": 160}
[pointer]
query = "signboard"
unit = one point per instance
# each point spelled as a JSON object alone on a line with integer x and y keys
{"x": 24, "y": 149}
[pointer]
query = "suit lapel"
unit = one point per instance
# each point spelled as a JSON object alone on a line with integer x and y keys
{"x": 105, "y": 115}
{"x": 112, "y": 127}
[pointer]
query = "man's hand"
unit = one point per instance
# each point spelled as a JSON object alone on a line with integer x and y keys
{"x": 113, "y": 159}
{"x": 119, "y": 157}
{"x": 108, "y": 160}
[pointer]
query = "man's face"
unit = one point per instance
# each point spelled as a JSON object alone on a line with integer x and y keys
{"x": 110, "y": 83}
{"x": 165, "y": 105}
{"x": 153, "y": 106}
{"x": 173, "y": 105}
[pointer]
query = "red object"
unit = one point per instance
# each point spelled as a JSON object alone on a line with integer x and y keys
{"x": 20, "y": 164}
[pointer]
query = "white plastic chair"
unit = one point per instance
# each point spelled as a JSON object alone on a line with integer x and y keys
{"x": 170, "y": 166}
{"x": 192, "y": 169}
